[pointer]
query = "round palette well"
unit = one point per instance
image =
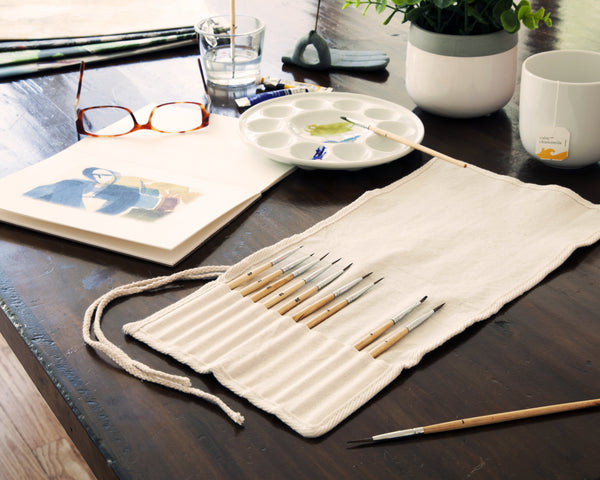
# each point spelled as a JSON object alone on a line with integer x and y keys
{"x": 306, "y": 130}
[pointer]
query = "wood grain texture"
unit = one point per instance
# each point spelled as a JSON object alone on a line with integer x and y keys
{"x": 33, "y": 444}
{"x": 540, "y": 349}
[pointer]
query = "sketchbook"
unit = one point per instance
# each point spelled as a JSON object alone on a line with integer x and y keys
{"x": 150, "y": 195}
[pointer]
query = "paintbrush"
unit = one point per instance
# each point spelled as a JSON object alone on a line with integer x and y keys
{"x": 311, "y": 291}
{"x": 375, "y": 334}
{"x": 479, "y": 421}
{"x": 249, "y": 275}
{"x": 338, "y": 306}
{"x": 396, "y": 337}
{"x": 282, "y": 281}
{"x": 272, "y": 276}
{"x": 406, "y": 141}
{"x": 328, "y": 298}
{"x": 297, "y": 285}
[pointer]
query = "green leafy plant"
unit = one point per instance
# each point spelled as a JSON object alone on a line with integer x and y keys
{"x": 460, "y": 17}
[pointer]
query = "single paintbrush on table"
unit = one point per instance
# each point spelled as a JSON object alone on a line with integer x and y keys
{"x": 479, "y": 421}
{"x": 406, "y": 141}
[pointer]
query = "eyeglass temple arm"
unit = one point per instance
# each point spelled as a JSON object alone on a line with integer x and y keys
{"x": 208, "y": 99}
{"x": 81, "y": 69}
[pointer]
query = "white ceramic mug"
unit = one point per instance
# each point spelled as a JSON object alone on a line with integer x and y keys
{"x": 559, "y": 107}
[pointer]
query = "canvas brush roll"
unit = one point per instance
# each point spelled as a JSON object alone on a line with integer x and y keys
{"x": 467, "y": 237}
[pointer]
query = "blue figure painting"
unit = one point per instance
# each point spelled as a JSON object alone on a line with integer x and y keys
{"x": 108, "y": 192}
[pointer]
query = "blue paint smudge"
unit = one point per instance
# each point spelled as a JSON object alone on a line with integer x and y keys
{"x": 320, "y": 152}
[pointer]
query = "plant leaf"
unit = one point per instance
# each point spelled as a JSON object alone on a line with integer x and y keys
{"x": 443, "y": 3}
{"x": 510, "y": 21}
{"x": 380, "y": 6}
{"x": 501, "y": 6}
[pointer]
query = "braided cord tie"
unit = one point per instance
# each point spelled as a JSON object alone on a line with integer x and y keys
{"x": 92, "y": 320}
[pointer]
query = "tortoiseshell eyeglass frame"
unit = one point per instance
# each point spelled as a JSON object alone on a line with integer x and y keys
{"x": 79, "y": 113}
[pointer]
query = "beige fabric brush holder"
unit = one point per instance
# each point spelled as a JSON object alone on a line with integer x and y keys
{"x": 467, "y": 237}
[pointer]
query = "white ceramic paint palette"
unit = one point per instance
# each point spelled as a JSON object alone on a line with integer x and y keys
{"x": 306, "y": 130}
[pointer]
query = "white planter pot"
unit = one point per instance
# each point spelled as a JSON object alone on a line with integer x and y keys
{"x": 461, "y": 76}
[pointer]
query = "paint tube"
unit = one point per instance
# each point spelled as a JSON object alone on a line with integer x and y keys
{"x": 261, "y": 97}
{"x": 277, "y": 83}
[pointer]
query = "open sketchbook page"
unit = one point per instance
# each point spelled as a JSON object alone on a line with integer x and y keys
{"x": 150, "y": 195}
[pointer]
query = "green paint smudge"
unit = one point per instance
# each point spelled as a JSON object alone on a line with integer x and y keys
{"x": 329, "y": 129}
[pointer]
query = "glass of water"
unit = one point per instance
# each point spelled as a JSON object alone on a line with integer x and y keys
{"x": 231, "y": 51}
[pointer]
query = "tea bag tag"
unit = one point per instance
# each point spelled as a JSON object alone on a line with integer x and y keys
{"x": 552, "y": 143}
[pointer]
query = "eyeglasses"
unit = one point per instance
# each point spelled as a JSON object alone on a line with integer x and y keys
{"x": 114, "y": 121}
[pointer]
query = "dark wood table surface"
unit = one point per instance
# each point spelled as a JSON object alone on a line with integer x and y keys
{"x": 540, "y": 349}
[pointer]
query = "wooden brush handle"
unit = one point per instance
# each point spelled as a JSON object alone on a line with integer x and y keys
{"x": 388, "y": 342}
{"x": 375, "y": 334}
{"x": 298, "y": 300}
{"x": 416, "y": 146}
{"x": 284, "y": 294}
{"x": 260, "y": 283}
{"x": 271, "y": 288}
{"x": 314, "y": 307}
{"x": 236, "y": 282}
{"x": 327, "y": 313}
{"x": 509, "y": 416}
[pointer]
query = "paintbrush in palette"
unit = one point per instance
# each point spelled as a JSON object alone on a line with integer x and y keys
{"x": 397, "y": 138}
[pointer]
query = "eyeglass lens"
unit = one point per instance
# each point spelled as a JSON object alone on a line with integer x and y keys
{"x": 168, "y": 118}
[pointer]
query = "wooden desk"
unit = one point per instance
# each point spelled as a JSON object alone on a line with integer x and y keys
{"x": 540, "y": 349}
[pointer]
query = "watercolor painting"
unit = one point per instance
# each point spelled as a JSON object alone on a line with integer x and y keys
{"x": 108, "y": 192}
